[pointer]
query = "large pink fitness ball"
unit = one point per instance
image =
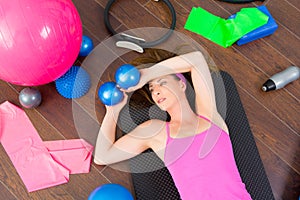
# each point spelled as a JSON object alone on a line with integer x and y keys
{"x": 39, "y": 40}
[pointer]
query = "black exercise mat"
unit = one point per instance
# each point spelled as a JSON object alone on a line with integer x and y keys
{"x": 151, "y": 179}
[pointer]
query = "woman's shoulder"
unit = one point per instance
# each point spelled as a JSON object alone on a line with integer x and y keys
{"x": 154, "y": 131}
{"x": 215, "y": 119}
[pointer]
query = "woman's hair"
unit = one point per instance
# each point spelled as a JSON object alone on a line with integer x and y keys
{"x": 152, "y": 56}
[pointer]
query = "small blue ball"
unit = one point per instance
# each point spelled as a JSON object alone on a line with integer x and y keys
{"x": 110, "y": 191}
{"x": 74, "y": 83}
{"x": 86, "y": 46}
{"x": 109, "y": 94}
{"x": 127, "y": 76}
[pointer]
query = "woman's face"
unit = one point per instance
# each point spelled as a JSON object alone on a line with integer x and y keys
{"x": 166, "y": 91}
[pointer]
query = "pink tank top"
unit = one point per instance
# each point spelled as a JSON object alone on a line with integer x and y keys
{"x": 203, "y": 166}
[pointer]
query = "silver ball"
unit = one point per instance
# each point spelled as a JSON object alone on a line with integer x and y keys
{"x": 30, "y": 97}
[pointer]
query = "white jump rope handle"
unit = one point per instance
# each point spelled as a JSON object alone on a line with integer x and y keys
{"x": 281, "y": 79}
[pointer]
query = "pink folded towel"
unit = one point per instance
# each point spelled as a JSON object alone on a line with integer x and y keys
{"x": 40, "y": 164}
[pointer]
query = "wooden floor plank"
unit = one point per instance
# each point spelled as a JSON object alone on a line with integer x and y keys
{"x": 80, "y": 186}
{"x": 126, "y": 11}
{"x": 294, "y": 3}
{"x": 281, "y": 9}
{"x": 284, "y": 181}
{"x": 5, "y": 193}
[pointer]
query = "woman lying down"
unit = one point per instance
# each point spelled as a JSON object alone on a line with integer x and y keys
{"x": 193, "y": 144}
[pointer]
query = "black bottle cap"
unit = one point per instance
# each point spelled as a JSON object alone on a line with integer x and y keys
{"x": 268, "y": 85}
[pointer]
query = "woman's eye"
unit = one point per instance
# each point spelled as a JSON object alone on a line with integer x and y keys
{"x": 160, "y": 84}
{"x": 163, "y": 83}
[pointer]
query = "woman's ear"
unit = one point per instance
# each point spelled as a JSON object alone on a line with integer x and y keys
{"x": 182, "y": 85}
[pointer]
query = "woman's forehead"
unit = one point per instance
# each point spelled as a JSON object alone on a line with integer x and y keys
{"x": 157, "y": 80}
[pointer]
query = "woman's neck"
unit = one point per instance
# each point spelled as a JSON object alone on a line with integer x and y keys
{"x": 182, "y": 112}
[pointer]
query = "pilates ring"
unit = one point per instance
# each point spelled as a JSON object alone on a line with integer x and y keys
{"x": 135, "y": 43}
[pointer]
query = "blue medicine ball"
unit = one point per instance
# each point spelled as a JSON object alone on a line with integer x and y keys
{"x": 110, "y": 191}
{"x": 127, "y": 76}
{"x": 110, "y": 94}
{"x": 74, "y": 83}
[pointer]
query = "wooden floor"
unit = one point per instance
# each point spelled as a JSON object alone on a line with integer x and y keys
{"x": 273, "y": 116}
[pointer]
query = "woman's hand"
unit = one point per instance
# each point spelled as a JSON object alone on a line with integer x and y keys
{"x": 118, "y": 107}
{"x": 143, "y": 80}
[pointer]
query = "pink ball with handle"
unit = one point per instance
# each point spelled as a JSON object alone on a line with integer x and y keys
{"x": 39, "y": 40}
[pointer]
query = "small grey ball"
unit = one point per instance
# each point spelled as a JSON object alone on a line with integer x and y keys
{"x": 30, "y": 97}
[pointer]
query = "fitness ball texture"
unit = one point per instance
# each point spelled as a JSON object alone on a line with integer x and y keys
{"x": 127, "y": 76}
{"x": 39, "y": 40}
{"x": 30, "y": 97}
{"x": 73, "y": 84}
{"x": 109, "y": 94}
{"x": 110, "y": 191}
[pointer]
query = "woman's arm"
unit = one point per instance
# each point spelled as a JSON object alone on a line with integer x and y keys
{"x": 195, "y": 63}
{"x": 108, "y": 150}
{"x": 204, "y": 89}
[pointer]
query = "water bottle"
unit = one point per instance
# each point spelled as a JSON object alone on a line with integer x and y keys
{"x": 281, "y": 79}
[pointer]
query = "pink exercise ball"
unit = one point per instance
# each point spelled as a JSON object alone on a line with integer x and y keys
{"x": 39, "y": 40}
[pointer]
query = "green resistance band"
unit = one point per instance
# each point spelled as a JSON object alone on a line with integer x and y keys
{"x": 221, "y": 31}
